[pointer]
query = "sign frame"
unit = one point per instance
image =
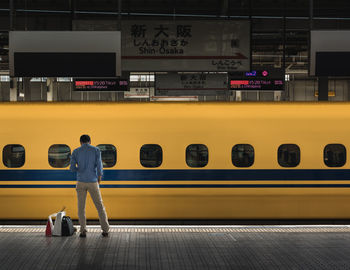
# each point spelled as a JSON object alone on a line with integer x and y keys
{"x": 192, "y": 60}
{"x": 329, "y": 42}
{"x": 267, "y": 80}
{"x": 191, "y": 84}
{"x": 28, "y": 44}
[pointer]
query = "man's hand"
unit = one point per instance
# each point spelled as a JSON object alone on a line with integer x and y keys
{"x": 99, "y": 179}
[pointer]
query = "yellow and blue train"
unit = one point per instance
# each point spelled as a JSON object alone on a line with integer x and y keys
{"x": 180, "y": 160}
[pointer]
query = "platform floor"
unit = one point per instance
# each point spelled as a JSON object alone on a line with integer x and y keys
{"x": 179, "y": 247}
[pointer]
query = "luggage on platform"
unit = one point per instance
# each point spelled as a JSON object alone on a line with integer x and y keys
{"x": 63, "y": 225}
{"x": 67, "y": 226}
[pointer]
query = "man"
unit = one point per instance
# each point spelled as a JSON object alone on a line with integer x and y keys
{"x": 86, "y": 161}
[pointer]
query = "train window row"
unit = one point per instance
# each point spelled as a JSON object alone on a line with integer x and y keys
{"x": 197, "y": 155}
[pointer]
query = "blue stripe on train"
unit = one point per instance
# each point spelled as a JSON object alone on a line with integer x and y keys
{"x": 192, "y": 186}
{"x": 182, "y": 175}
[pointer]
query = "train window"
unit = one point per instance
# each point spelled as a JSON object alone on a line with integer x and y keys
{"x": 334, "y": 155}
{"x": 13, "y": 155}
{"x": 151, "y": 155}
{"x": 108, "y": 155}
{"x": 242, "y": 155}
{"x": 288, "y": 155}
{"x": 197, "y": 155}
{"x": 59, "y": 155}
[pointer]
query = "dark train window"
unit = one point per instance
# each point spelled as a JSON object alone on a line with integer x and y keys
{"x": 197, "y": 155}
{"x": 13, "y": 155}
{"x": 59, "y": 155}
{"x": 242, "y": 155}
{"x": 334, "y": 155}
{"x": 151, "y": 155}
{"x": 108, "y": 155}
{"x": 289, "y": 155}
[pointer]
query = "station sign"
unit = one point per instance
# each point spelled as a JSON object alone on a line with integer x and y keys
{"x": 191, "y": 84}
{"x": 257, "y": 80}
{"x": 179, "y": 45}
{"x": 138, "y": 92}
{"x": 168, "y": 45}
{"x": 101, "y": 84}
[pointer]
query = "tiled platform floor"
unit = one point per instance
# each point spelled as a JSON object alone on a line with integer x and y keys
{"x": 179, "y": 247}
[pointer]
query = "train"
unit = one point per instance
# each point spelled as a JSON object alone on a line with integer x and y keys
{"x": 180, "y": 161}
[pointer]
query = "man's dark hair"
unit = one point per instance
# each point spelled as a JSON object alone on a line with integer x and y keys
{"x": 85, "y": 138}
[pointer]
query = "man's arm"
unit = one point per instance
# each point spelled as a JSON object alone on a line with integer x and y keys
{"x": 73, "y": 163}
{"x": 99, "y": 166}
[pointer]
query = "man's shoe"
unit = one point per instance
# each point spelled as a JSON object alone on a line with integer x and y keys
{"x": 105, "y": 234}
{"x": 83, "y": 234}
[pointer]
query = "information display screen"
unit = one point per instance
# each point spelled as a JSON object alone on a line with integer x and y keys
{"x": 257, "y": 84}
{"x": 101, "y": 84}
{"x": 257, "y": 80}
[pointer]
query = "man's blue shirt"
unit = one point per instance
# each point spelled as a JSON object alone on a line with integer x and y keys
{"x": 86, "y": 161}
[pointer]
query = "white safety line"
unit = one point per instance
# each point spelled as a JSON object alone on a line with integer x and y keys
{"x": 194, "y": 226}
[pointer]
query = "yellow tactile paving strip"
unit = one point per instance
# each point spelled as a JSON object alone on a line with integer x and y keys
{"x": 192, "y": 229}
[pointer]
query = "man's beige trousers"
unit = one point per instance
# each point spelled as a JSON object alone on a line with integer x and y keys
{"x": 95, "y": 194}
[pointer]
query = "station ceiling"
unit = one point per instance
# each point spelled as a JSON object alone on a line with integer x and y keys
{"x": 338, "y": 8}
{"x": 277, "y": 25}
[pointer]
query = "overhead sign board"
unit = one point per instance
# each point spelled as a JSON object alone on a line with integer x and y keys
{"x": 258, "y": 80}
{"x": 101, "y": 84}
{"x": 188, "y": 84}
{"x": 65, "y": 53}
{"x": 159, "y": 45}
{"x": 330, "y": 53}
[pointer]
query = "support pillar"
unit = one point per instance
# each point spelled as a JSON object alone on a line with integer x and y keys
{"x": 50, "y": 89}
{"x": 311, "y": 14}
{"x": 322, "y": 88}
{"x": 27, "y": 91}
{"x": 13, "y": 89}
{"x": 277, "y": 95}
{"x": 73, "y": 13}
{"x": 238, "y": 96}
{"x": 119, "y": 23}
{"x": 12, "y": 15}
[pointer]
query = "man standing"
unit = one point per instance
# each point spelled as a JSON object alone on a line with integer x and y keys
{"x": 86, "y": 161}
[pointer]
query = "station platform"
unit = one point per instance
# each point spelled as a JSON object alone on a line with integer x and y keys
{"x": 179, "y": 247}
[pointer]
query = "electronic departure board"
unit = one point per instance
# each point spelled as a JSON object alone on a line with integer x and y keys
{"x": 101, "y": 84}
{"x": 257, "y": 84}
{"x": 257, "y": 80}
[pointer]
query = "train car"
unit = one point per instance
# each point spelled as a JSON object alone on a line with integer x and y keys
{"x": 180, "y": 160}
